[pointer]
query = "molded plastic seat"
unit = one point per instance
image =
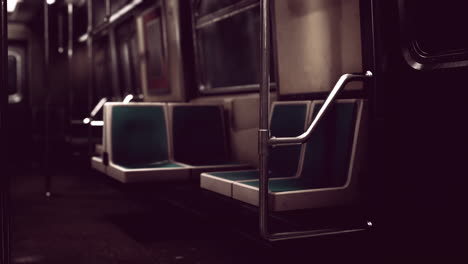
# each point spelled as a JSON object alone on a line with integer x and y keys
{"x": 199, "y": 138}
{"x": 331, "y": 165}
{"x": 138, "y": 144}
{"x": 287, "y": 119}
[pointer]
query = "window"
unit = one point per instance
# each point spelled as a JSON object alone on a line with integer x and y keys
{"x": 127, "y": 55}
{"x": 102, "y": 76}
{"x": 209, "y": 6}
{"x": 156, "y": 54}
{"x": 227, "y": 42}
{"x": 99, "y": 12}
{"x": 435, "y": 33}
{"x": 15, "y": 77}
{"x": 12, "y": 75}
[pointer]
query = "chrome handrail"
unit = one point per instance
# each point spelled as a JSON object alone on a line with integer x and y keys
{"x": 339, "y": 86}
{"x": 98, "y": 107}
{"x": 95, "y": 111}
{"x": 264, "y": 139}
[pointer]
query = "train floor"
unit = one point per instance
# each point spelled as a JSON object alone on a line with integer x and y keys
{"x": 91, "y": 219}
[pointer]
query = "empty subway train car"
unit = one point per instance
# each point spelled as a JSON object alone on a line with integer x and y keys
{"x": 233, "y": 131}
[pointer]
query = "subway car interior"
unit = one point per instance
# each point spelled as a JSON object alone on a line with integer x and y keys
{"x": 233, "y": 131}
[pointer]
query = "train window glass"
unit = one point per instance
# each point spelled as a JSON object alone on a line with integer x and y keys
{"x": 127, "y": 52}
{"x": 228, "y": 47}
{"x": 80, "y": 25}
{"x": 15, "y": 65}
{"x": 209, "y": 6}
{"x": 102, "y": 76}
{"x": 99, "y": 12}
{"x": 155, "y": 51}
{"x": 12, "y": 75}
{"x": 156, "y": 58}
{"x": 436, "y": 31}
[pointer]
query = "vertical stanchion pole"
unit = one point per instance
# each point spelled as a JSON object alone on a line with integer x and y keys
{"x": 89, "y": 45}
{"x": 47, "y": 171}
{"x": 70, "y": 63}
{"x": 4, "y": 177}
{"x": 108, "y": 10}
{"x": 264, "y": 133}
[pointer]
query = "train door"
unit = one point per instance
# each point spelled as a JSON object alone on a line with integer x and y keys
{"x": 419, "y": 113}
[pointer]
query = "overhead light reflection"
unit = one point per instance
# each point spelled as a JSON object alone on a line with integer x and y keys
{"x": 97, "y": 123}
{"x": 11, "y": 5}
{"x": 128, "y": 99}
{"x": 86, "y": 120}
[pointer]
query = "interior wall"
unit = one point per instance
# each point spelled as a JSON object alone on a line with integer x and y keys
{"x": 317, "y": 41}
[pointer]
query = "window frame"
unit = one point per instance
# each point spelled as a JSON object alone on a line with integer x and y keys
{"x": 200, "y": 21}
{"x": 124, "y": 35}
{"x": 416, "y": 57}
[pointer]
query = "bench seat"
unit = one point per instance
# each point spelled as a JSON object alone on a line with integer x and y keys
{"x": 331, "y": 165}
{"x": 288, "y": 119}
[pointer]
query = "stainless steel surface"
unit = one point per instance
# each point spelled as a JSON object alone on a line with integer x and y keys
{"x": 48, "y": 176}
{"x": 311, "y": 233}
{"x": 4, "y": 177}
{"x": 344, "y": 79}
{"x": 124, "y": 10}
{"x": 90, "y": 53}
{"x": 98, "y": 107}
{"x": 108, "y": 10}
{"x": 69, "y": 58}
{"x": 264, "y": 133}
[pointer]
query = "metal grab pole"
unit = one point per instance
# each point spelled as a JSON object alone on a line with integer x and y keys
{"x": 48, "y": 171}
{"x": 4, "y": 177}
{"x": 264, "y": 132}
{"x": 90, "y": 54}
{"x": 264, "y": 135}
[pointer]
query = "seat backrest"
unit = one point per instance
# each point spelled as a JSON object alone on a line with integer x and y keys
{"x": 288, "y": 119}
{"x": 138, "y": 134}
{"x": 199, "y": 134}
{"x": 328, "y": 152}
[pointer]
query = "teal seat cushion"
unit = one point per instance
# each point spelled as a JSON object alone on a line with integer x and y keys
{"x": 328, "y": 152}
{"x": 287, "y": 120}
{"x": 283, "y": 185}
{"x": 199, "y": 135}
{"x": 155, "y": 165}
{"x": 139, "y": 135}
{"x": 237, "y": 175}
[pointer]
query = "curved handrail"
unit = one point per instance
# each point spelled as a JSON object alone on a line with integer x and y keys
{"x": 340, "y": 84}
{"x": 265, "y": 140}
{"x": 95, "y": 110}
